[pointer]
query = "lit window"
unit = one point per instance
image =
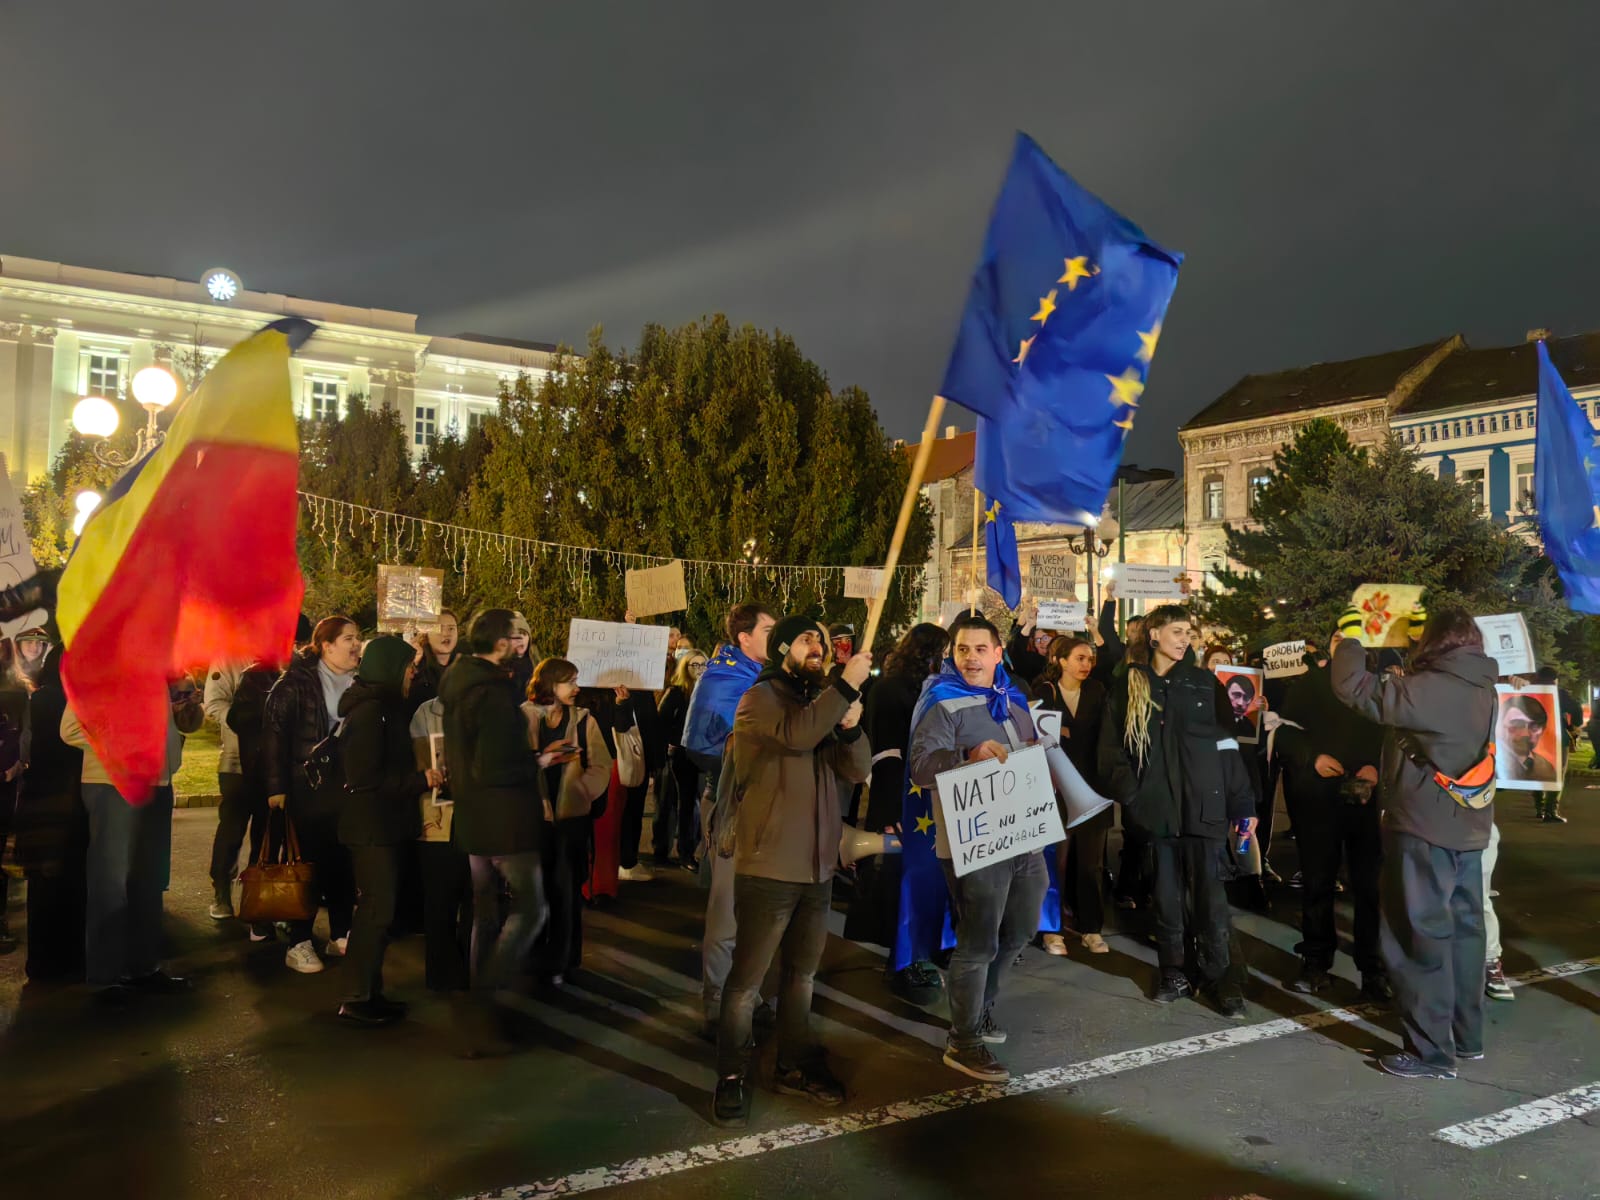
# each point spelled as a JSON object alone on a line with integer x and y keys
{"x": 1473, "y": 481}
{"x": 323, "y": 399}
{"x": 1258, "y": 480}
{"x": 103, "y": 376}
{"x": 1211, "y": 499}
{"x": 422, "y": 428}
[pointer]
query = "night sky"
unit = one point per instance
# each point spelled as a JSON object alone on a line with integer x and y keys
{"x": 1343, "y": 178}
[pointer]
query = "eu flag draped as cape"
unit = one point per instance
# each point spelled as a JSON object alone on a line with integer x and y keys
{"x": 189, "y": 561}
{"x": 1053, "y": 351}
{"x": 1566, "y": 478}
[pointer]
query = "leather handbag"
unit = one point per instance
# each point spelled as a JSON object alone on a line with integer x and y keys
{"x": 278, "y": 891}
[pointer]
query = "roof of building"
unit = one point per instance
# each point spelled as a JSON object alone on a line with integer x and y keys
{"x": 1473, "y": 377}
{"x": 1314, "y": 386}
{"x": 949, "y": 457}
{"x": 1157, "y": 504}
{"x": 513, "y": 343}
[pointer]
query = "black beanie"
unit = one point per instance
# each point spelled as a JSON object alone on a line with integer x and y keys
{"x": 784, "y": 633}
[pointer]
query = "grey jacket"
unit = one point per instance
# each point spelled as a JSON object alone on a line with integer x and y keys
{"x": 947, "y": 731}
{"x": 1449, "y": 711}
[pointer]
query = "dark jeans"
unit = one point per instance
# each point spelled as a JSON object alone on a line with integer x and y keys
{"x": 1081, "y": 879}
{"x": 1433, "y": 945}
{"x": 774, "y": 916}
{"x": 130, "y": 852}
{"x": 997, "y": 911}
{"x": 1134, "y": 868}
{"x": 499, "y": 950}
{"x": 1327, "y": 830}
{"x": 446, "y": 915}
{"x": 1191, "y": 868}
{"x": 243, "y": 804}
{"x": 316, "y": 828}
{"x": 564, "y": 854}
{"x": 677, "y": 810}
{"x": 633, "y": 824}
{"x": 377, "y": 873}
{"x": 56, "y": 906}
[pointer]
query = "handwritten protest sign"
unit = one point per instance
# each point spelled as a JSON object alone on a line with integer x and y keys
{"x": 1385, "y": 612}
{"x": 16, "y": 553}
{"x": 1285, "y": 659}
{"x": 863, "y": 583}
{"x": 654, "y": 590}
{"x": 1505, "y": 639}
{"x": 612, "y": 654}
{"x": 994, "y": 811}
{"x": 1061, "y": 614}
{"x": 1052, "y": 575}
{"x": 410, "y": 599}
{"x": 1141, "y": 581}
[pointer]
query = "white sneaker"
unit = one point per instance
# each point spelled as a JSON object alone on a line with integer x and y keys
{"x": 302, "y": 957}
{"x": 220, "y": 911}
{"x": 636, "y": 874}
{"x": 336, "y": 947}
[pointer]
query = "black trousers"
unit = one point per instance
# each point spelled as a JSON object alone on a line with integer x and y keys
{"x": 1327, "y": 831}
{"x": 677, "y": 810}
{"x": 1191, "y": 868}
{"x": 377, "y": 878}
{"x": 633, "y": 824}
{"x": 1433, "y": 945}
{"x": 1134, "y": 867}
{"x": 243, "y": 805}
{"x": 565, "y": 855}
{"x": 446, "y": 915}
{"x": 1082, "y": 884}
{"x": 57, "y": 907}
{"x": 316, "y": 828}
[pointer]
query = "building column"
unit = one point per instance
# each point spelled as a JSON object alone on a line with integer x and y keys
{"x": 1500, "y": 485}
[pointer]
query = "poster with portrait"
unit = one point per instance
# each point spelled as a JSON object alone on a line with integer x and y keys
{"x": 1242, "y": 685}
{"x": 1527, "y": 739}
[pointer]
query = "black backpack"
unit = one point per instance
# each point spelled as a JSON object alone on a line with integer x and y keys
{"x": 325, "y": 767}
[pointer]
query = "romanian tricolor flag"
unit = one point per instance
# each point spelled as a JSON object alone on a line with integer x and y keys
{"x": 189, "y": 561}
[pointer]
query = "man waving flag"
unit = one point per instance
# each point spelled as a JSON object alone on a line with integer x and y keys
{"x": 1054, "y": 348}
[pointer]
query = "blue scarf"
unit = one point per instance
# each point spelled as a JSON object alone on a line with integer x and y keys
{"x": 949, "y": 685}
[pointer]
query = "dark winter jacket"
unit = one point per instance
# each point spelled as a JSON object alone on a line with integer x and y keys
{"x": 381, "y": 780}
{"x": 494, "y": 774}
{"x": 1208, "y": 781}
{"x": 1025, "y": 661}
{"x": 1448, "y": 712}
{"x": 886, "y": 716}
{"x": 426, "y": 684}
{"x": 1112, "y": 649}
{"x": 51, "y": 825}
{"x": 1080, "y": 731}
{"x": 247, "y": 718}
{"x": 1325, "y": 726}
{"x": 295, "y": 720}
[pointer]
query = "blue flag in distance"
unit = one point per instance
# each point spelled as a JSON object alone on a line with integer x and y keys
{"x": 1567, "y": 488}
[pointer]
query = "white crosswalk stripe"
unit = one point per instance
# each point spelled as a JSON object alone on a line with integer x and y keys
{"x": 1524, "y": 1118}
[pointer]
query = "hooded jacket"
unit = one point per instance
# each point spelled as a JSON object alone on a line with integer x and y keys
{"x": 728, "y": 676}
{"x": 786, "y": 757}
{"x": 379, "y": 807}
{"x": 1448, "y": 710}
{"x": 494, "y": 776}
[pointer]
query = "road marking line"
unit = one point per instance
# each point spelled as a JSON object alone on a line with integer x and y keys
{"x": 1524, "y": 1118}
{"x": 805, "y": 1133}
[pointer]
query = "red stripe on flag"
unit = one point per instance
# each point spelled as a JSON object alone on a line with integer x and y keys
{"x": 209, "y": 575}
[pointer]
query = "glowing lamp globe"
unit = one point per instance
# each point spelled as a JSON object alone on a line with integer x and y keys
{"x": 1108, "y": 528}
{"x": 155, "y": 388}
{"x": 86, "y": 503}
{"x": 95, "y": 416}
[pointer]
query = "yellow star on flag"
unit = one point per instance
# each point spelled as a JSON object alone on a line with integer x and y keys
{"x": 924, "y": 824}
{"x": 1047, "y": 305}
{"x": 1148, "y": 339}
{"x": 1588, "y": 463}
{"x": 1596, "y": 524}
{"x": 1022, "y": 354}
{"x": 1128, "y": 424}
{"x": 992, "y": 513}
{"x": 916, "y": 789}
{"x": 1126, "y": 388}
{"x": 1077, "y": 268}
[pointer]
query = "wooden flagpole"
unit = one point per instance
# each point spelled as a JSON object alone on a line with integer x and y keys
{"x": 913, "y": 484}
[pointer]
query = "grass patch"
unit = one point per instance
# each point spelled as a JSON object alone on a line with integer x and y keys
{"x": 198, "y": 774}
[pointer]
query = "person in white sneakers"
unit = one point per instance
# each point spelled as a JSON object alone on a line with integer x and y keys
{"x": 1495, "y": 985}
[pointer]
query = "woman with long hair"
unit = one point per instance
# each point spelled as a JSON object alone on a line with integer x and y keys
{"x": 1439, "y": 716}
{"x": 435, "y": 652}
{"x": 678, "y": 783}
{"x": 1067, "y": 688}
{"x": 572, "y": 788}
{"x": 301, "y": 710}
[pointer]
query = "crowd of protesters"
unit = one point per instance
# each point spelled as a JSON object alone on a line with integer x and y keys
{"x": 460, "y": 786}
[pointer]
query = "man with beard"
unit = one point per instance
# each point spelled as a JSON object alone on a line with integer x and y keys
{"x": 796, "y": 734}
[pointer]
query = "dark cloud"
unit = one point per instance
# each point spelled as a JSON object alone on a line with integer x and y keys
{"x": 1343, "y": 178}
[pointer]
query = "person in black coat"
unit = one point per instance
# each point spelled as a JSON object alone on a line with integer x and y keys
{"x": 1067, "y": 688}
{"x": 379, "y": 813}
{"x": 639, "y": 708}
{"x": 678, "y": 786}
{"x": 435, "y": 652}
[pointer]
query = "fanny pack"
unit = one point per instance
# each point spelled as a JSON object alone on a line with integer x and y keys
{"x": 1473, "y": 788}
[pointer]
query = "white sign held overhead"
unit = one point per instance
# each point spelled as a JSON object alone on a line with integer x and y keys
{"x": 1285, "y": 659}
{"x": 862, "y": 583}
{"x": 1506, "y": 640}
{"x": 1141, "y": 581}
{"x": 994, "y": 811}
{"x": 613, "y": 654}
{"x": 16, "y": 553}
{"x": 653, "y": 590}
{"x": 1053, "y": 576}
{"x": 1061, "y": 614}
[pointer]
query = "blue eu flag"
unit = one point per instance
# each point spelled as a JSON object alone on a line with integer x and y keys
{"x": 1566, "y": 477}
{"x": 1054, "y": 348}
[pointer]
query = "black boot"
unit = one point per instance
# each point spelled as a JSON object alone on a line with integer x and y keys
{"x": 1171, "y": 985}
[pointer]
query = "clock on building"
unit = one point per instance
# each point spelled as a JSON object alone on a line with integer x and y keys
{"x": 221, "y": 284}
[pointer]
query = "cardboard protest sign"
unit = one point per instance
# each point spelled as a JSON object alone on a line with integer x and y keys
{"x": 1141, "y": 581}
{"x": 994, "y": 811}
{"x": 16, "y": 553}
{"x": 1385, "y": 612}
{"x": 1527, "y": 739}
{"x": 1285, "y": 659}
{"x": 1242, "y": 685}
{"x": 653, "y": 590}
{"x": 863, "y": 583}
{"x": 1052, "y": 576}
{"x": 613, "y": 654}
{"x": 1061, "y": 614}
{"x": 410, "y": 599}
{"x": 1506, "y": 640}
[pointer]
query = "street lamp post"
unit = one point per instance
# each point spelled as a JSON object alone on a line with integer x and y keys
{"x": 155, "y": 388}
{"x": 1093, "y": 543}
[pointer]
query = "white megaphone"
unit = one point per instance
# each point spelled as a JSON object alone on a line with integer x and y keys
{"x": 1082, "y": 801}
{"x": 856, "y": 844}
